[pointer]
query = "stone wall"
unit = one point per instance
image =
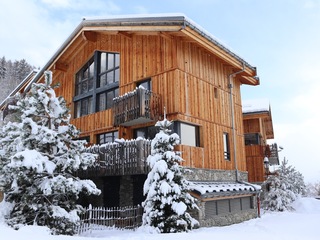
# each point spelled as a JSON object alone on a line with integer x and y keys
{"x": 226, "y": 219}
{"x": 198, "y": 174}
{"x": 231, "y": 218}
{"x": 126, "y": 191}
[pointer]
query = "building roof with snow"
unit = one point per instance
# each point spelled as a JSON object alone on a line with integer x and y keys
{"x": 178, "y": 23}
{"x": 255, "y": 106}
{"x": 223, "y": 189}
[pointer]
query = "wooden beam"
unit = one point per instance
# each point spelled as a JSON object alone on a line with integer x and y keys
{"x": 165, "y": 35}
{"x": 89, "y": 36}
{"x": 125, "y": 34}
{"x": 60, "y": 66}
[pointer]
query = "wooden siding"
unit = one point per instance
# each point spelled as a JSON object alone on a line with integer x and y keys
{"x": 255, "y": 156}
{"x": 193, "y": 84}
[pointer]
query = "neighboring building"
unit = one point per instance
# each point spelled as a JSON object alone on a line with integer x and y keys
{"x": 117, "y": 76}
{"x": 258, "y": 128}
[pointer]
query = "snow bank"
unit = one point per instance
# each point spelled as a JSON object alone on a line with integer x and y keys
{"x": 300, "y": 224}
{"x": 307, "y": 206}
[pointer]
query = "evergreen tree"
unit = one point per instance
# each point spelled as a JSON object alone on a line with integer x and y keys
{"x": 282, "y": 188}
{"x": 3, "y": 68}
{"x": 11, "y": 74}
{"x": 37, "y": 160}
{"x": 166, "y": 190}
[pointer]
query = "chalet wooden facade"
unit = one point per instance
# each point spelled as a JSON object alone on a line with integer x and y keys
{"x": 118, "y": 75}
{"x": 258, "y": 128}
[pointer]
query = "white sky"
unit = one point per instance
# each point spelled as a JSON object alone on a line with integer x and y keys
{"x": 280, "y": 38}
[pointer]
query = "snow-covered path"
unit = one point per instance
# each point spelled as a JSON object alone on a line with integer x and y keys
{"x": 300, "y": 224}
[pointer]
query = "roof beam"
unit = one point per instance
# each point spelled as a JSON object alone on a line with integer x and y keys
{"x": 89, "y": 36}
{"x": 125, "y": 34}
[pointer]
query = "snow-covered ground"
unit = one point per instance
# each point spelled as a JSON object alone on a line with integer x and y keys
{"x": 303, "y": 223}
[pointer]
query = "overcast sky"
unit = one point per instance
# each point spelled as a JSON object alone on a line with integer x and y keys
{"x": 280, "y": 37}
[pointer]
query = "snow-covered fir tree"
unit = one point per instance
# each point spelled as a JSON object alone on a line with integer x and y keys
{"x": 166, "y": 189}
{"x": 282, "y": 188}
{"x": 38, "y": 159}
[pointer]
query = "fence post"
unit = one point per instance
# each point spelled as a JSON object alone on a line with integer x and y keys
{"x": 140, "y": 155}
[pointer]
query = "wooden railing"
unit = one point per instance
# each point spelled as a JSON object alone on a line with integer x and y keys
{"x": 120, "y": 158}
{"x": 101, "y": 218}
{"x": 136, "y": 107}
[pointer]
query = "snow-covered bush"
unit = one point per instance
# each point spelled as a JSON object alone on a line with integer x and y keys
{"x": 282, "y": 188}
{"x": 38, "y": 157}
{"x": 166, "y": 190}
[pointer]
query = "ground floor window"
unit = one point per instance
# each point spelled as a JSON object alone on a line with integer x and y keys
{"x": 108, "y": 137}
{"x": 226, "y": 206}
{"x": 146, "y": 132}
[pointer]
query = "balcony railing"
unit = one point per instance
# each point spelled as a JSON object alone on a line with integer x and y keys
{"x": 136, "y": 107}
{"x": 121, "y": 158}
{"x": 274, "y": 156}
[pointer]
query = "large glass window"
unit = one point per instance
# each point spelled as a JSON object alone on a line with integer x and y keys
{"x": 108, "y": 137}
{"x": 97, "y": 83}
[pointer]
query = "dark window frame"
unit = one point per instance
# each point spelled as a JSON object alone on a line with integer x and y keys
{"x": 149, "y": 132}
{"x": 88, "y": 84}
{"x": 104, "y": 136}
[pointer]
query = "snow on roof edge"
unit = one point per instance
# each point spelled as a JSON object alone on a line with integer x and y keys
{"x": 187, "y": 21}
{"x": 255, "y": 105}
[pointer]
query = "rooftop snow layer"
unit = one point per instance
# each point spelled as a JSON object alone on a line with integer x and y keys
{"x": 255, "y": 105}
{"x": 220, "y": 187}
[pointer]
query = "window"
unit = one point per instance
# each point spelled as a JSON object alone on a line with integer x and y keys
{"x": 97, "y": 83}
{"x": 107, "y": 137}
{"x": 226, "y": 206}
{"x": 252, "y": 139}
{"x": 226, "y": 146}
{"x": 189, "y": 134}
{"x": 146, "y": 132}
{"x": 145, "y": 84}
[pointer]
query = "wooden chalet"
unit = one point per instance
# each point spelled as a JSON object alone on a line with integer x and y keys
{"x": 258, "y": 129}
{"x": 118, "y": 74}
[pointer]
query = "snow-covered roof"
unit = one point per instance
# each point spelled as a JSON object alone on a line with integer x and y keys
{"x": 145, "y": 20}
{"x": 220, "y": 189}
{"x": 255, "y": 106}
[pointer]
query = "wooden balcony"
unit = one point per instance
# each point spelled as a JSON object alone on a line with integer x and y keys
{"x": 136, "y": 107}
{"x": 121, "y": 158}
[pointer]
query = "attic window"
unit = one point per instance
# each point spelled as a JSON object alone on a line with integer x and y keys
{"x": 97, "y": 83}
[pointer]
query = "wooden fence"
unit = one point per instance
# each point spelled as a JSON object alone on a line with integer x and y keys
{"x": 136, "y": 107}
{"x": 117, "y": 159}
{"x": 100, "y": 218}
